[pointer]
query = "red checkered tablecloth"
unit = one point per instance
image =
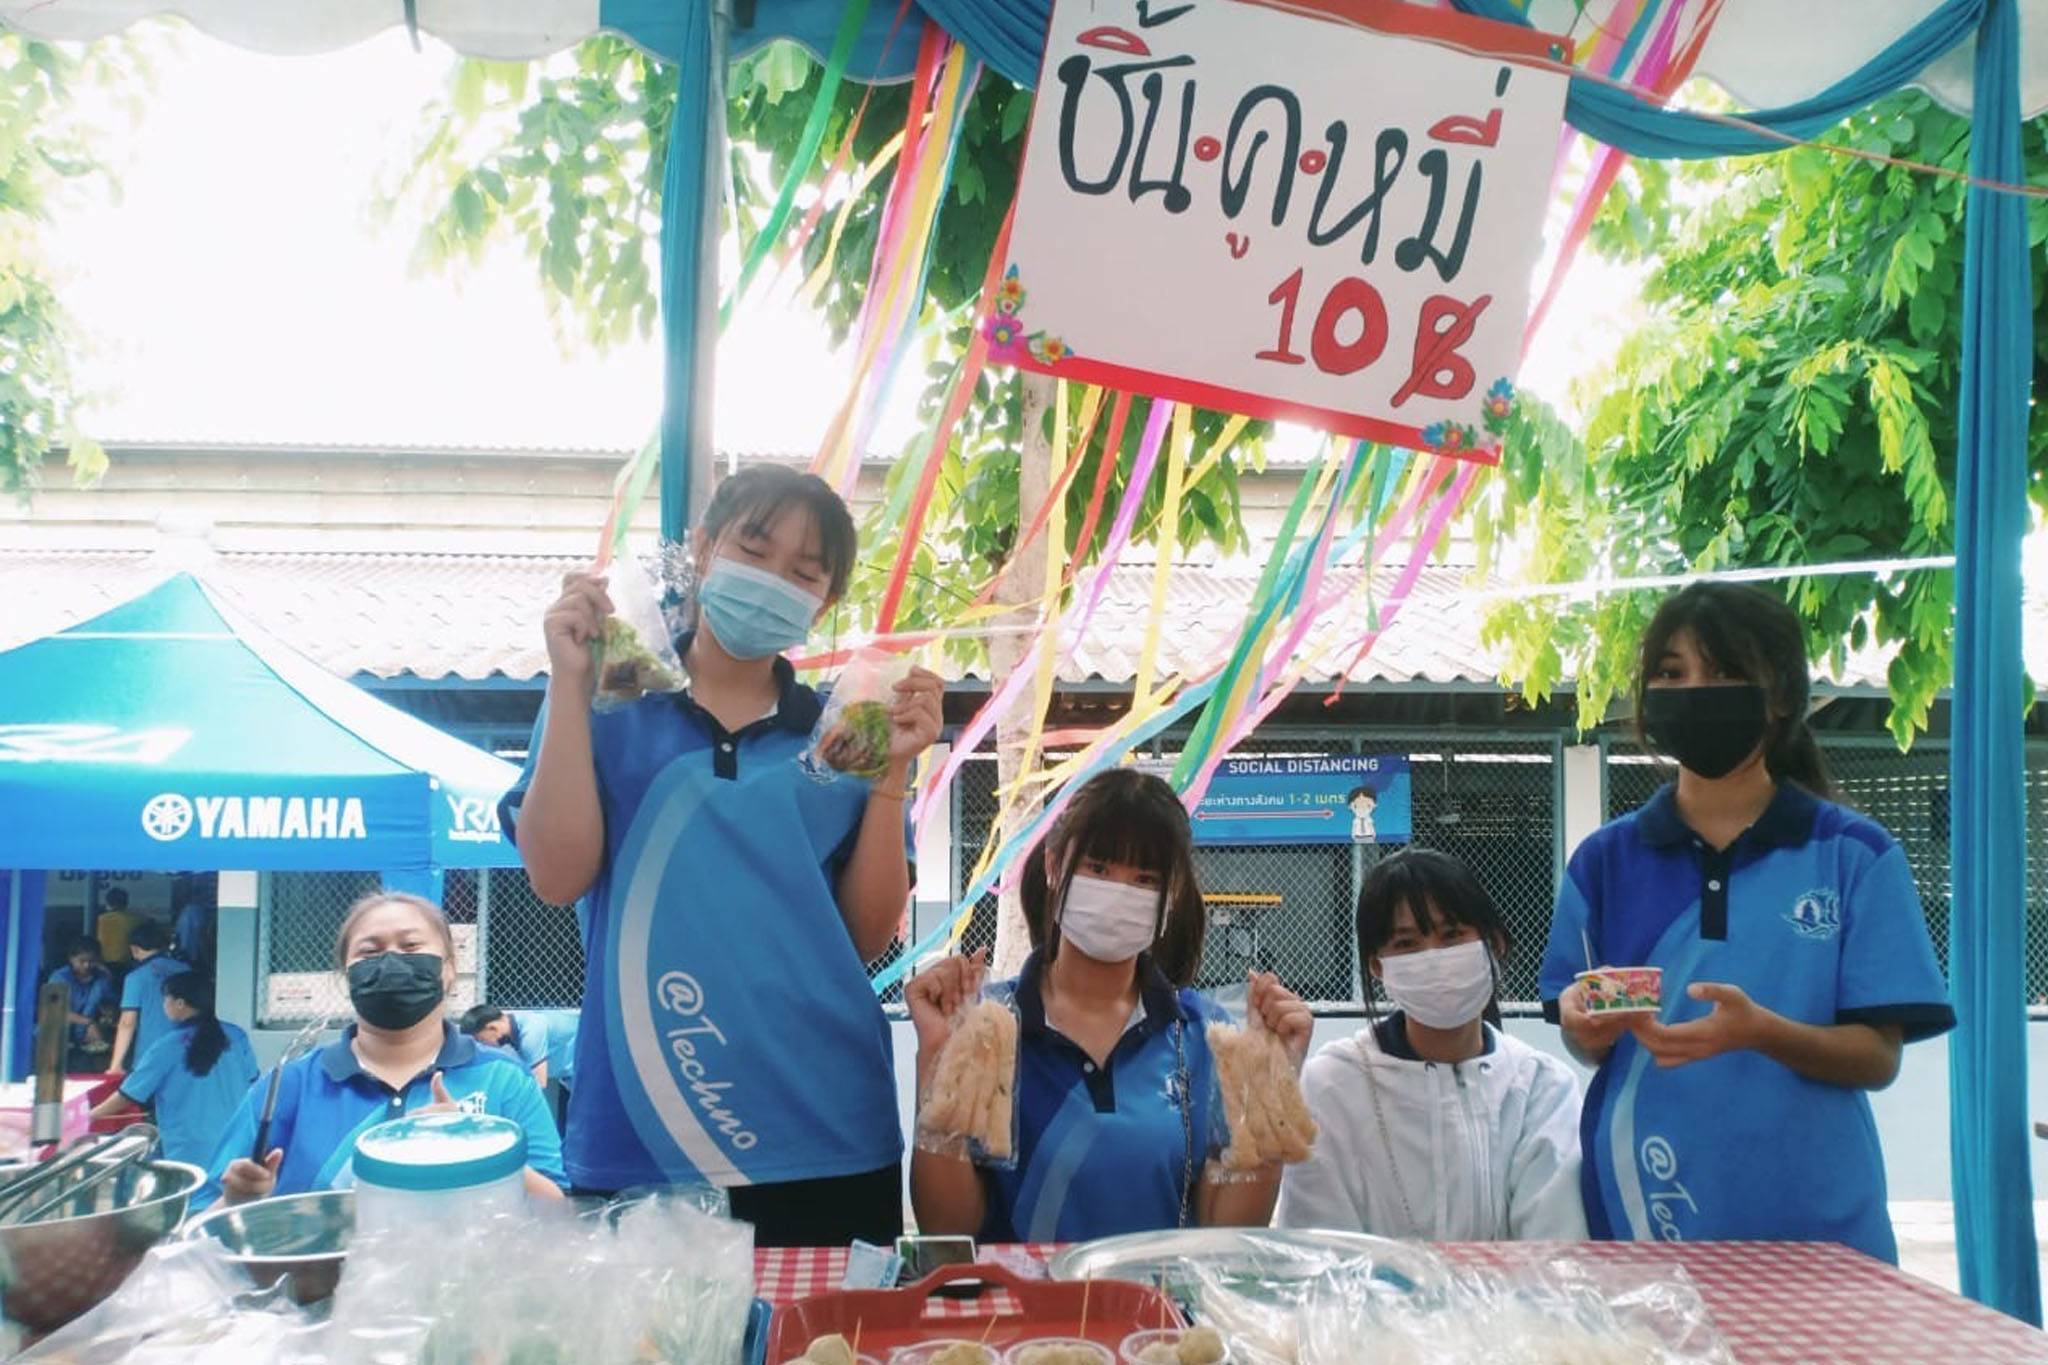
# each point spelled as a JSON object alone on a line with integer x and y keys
{"x": 1779, "y": 1303}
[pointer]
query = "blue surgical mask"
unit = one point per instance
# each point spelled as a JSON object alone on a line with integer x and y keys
{"x": 753, "y": 613}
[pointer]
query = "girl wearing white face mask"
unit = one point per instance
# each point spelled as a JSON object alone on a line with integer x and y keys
{"x": 1435, "y": 1124}
{"x": 1115, "y": 1103}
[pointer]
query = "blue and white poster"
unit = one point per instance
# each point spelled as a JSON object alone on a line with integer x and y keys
{"x": 1312, "y": 799}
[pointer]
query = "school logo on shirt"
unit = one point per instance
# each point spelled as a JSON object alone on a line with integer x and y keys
{"x": 1817, "y": 914}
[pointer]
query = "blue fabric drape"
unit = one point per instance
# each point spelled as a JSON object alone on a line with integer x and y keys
{"x": 21, "y": 909}
{"x": 1640, "y": 128}
{"x": 688, "y": 233}
{"x": 1992, "y": 1174}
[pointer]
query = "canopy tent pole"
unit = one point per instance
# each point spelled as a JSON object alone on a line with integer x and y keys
{"x": 15, "y": 996}
{"x": 693, "y": 185}
{"x": 1989, "y": 1158}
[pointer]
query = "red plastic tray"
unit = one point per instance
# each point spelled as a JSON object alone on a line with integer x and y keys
{"x": 1017, "y": 1310}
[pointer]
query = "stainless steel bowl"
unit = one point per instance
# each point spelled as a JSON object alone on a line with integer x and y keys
{"x": 55, "y": 1268}
{"x": 301, "y": 1236}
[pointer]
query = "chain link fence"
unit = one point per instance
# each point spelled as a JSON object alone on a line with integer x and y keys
{"x": 1492, "y": 800}
{"x": 511, "y": 948}
{"x": 1907, "y": 793}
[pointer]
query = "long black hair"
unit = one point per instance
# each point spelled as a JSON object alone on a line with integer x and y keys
{"x": 209, "y": 1039}
{"x": 1752, "y": 635}
{"x": 1435, "y": 887}
{"x": 1123, "y": 816}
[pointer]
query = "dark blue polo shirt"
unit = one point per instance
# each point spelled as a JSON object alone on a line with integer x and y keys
{"x": 1813, "y": 912}
{"x": 326, "y": 1099}
{"x": 1113, "y": 1148}
{"x": 729, "y": 1033}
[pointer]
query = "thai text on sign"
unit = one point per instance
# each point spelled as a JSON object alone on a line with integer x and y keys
{"x": 1286, "y": 213}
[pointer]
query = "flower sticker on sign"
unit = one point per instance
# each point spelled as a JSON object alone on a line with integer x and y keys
{"x": 1326, "y": 211}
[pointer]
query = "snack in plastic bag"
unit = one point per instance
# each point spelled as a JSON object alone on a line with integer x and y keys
{"x": 1269, "y": 1120}
{"x": 971, "y": 1101}
{"x": 853, "y": 734}
{"x": 633, "y": 656}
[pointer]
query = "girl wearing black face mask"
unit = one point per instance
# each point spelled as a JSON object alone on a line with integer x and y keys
{"x": 1794, "y": 951}
{"x": 400, "y": 1056}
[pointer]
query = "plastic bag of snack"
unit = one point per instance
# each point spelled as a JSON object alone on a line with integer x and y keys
{"x": 634, "y": 655}
{"x": 1268, "y": 1119}
{"x": 969, "y": 1109}
{"x": 852, "y": 736}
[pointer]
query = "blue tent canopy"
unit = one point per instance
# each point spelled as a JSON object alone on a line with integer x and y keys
{"x": 168, "y": 734}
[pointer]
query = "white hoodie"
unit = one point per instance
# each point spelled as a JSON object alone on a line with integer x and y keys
{"x": 1485, "y": 1150}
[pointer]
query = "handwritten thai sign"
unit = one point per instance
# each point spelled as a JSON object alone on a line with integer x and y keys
{"x": 1285, "y": 212}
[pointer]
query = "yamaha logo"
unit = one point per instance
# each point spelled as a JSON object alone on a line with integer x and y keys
{"x": 169, "y": 816}
{"x": 166, "y": 817}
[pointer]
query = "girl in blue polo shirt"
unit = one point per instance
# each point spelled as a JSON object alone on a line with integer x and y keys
{"x": 401, "y": 1056}
{"x": 193, "y": 1077}
{"x": 730, "y": 896}
{"x": 1795, "y": 956}
{"x": 1116, "y": 1088}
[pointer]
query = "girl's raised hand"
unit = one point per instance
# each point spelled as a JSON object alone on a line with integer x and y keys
{"x": 1282, "y": 1012}
{"x": 915, "y": 714}
{"x": 935, "y": 993}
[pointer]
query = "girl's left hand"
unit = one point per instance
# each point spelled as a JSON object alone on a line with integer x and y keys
{"x": 915, "y": 715}
{"x": 1282, "y": 1012}
{"x": 1734, "y": 1025}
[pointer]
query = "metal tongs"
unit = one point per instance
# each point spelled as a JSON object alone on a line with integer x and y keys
{"x": 301, "y": 1043}
{"x": 117, "y": 1152}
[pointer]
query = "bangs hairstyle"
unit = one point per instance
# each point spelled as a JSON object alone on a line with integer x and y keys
{"x": 1123, "y": 816}
{"x": 1437, "y": 889}
{"x": 1752, "y": 635}
{"x": 428, "y": 911}
{"x": 752, "y": 499}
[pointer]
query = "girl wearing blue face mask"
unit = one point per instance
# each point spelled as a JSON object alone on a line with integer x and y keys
{"x": 730, "y": 899}
{"x": 1115, "y": 1082}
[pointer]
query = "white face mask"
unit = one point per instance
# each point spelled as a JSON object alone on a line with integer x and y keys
{"x": 1109, "y": 921}
{"x": 1441, "y": 987}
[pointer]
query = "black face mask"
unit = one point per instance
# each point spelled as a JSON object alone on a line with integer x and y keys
{"x": 1709, "y": 730}
{"x": 395, "y": 990}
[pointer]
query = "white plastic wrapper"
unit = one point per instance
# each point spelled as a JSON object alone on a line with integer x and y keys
{"x": 853, "y": 733}
{"x": 1412, "y": 1307}
{"x": 636, "y": 653}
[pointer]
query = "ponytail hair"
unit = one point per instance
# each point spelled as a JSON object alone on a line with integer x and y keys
{"x": 1752, "y": 635}
{"x": 209, "y": 1039}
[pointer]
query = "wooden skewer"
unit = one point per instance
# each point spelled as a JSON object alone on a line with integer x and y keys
{"x": 986, "y": 1332}
{"x": 1087, "y": 1282}
{"x": 856, "y": 1339}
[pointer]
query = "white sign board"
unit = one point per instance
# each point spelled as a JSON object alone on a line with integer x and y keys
{"x": 1285, "y": 212}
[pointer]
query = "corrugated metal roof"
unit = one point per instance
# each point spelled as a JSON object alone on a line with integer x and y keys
{"x": 478, "y": 616}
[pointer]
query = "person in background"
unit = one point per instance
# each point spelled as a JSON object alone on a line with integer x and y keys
{"x": 731, "y": 897}
{"x": 115, "y": 923}
{"x": 191, "y": 1078}
{"x": 544, "y": 1039}
{"x": 1795, "y": 955}
{"x": 1116, "y": 1092}
{"x": 1434, "y": 1123}
{"x": 401, "y": 1056}
{"x": 142, "y": 993}
{"x": 92, "y": 995}
{"x": 192, "y": 920}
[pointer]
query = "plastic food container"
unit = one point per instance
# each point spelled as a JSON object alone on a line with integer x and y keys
{"x": 1623, "y": 990}
{"x": 443, "y": 1168}
{"x": 1163, "y": 1345}
{"x": 1066, "y": 1350}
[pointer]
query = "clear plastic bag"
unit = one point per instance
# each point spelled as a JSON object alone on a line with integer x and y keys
{"x": 635, "y": 655}
{"x": 1267, "y": 1117}
{"x": 969, "y": 1110}
{"x": 853, "y": 734}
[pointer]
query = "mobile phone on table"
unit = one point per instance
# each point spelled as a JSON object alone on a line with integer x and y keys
{"x": 922, "y": 1255}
